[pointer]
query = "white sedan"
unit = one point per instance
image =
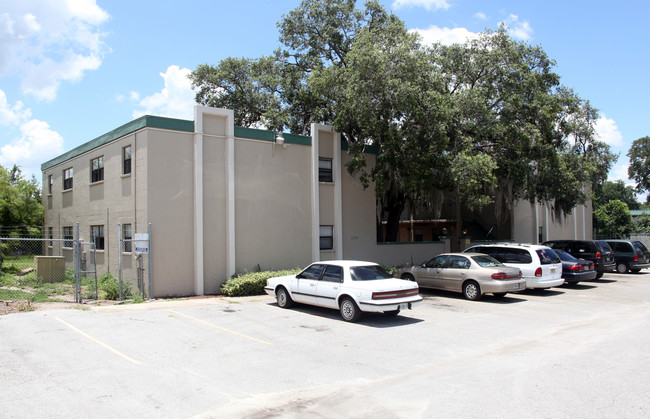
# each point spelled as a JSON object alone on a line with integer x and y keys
{"x": 349, "y": 286}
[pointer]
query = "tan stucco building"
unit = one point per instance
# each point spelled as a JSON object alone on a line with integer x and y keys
{"x": 223, "y": 200}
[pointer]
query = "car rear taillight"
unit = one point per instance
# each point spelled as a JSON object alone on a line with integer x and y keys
{"x": 385, "y": 295}
{"x": 538, "y": 271}
{"x": 576, "y": 268}
{"x": 636, "y": 258}
{"x": 597, "y": 255}
{"x": 499, "y": 275}
{"x": 591, "y": 266}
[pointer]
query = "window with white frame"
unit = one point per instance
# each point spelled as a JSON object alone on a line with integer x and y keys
{"x": 98, "y": 236}
{"x": 326, "y": 237}
{"x": 67, "y": 179}
{"x": 325, "y": 170}
{"x": 127, "y": 238}
{"x": 97, "y": 169}
{"x": 126, "y": 160}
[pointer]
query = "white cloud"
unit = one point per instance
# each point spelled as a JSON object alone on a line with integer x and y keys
{"x": 608, "y": 132}
{"x": 427, "y": 4}
{"x": 45, "y": 43}
{"x": 34, "y": 141}
{"x": 480, "y": 15}
{"x": 445, "y": 36}
{"x": 175, "y": 100}
{"x": 518, "y": 29}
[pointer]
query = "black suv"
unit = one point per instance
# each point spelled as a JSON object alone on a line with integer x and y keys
{"x": 597, "y": 251}
{"x": 630, "y": 255}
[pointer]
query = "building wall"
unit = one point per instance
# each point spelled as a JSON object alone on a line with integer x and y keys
{"x": 533, "y": 222}
{"x": 272, "y": 205}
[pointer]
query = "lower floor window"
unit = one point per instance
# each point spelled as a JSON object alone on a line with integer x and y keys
{"x": 67, "y": 237}
{"x": 127, "y": 238}
{"x": 326, "y": 237}
{"x": 98, "y": 236}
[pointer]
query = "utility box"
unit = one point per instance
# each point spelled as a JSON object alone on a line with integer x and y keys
{"x": 50, "y": 268}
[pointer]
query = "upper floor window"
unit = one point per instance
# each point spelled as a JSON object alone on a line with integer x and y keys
{"x": 67, "y": 179}
{"x": 97, "y": 169}
{"x": 325, "y": 170}
{"x": 98, "y": 236}
{"x": 50, "y": 235}
{"x": 126, "y": 160}
{"x": 50, "y": 180}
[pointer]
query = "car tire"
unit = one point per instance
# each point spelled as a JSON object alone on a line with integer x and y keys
{"x": 599, "y": 275}
{"x": 499, "y": 294}
{"x": 472, "y": 290}
{"x": 635, "y": 271}
{"x": 408, "y": 277}
{"x": 391, "y": 313}
{"x": 283, "y": 298}
{"x": 349, "y": 310}
{"x": 621, "y": 268}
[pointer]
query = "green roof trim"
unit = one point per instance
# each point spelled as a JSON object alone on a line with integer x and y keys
{"x": 266, "y": 135}
{"x": 126, "y": 129}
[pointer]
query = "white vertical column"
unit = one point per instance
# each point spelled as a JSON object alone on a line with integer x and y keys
{"x": 231, "y": 256}
{"x": 315, "y": 209}
{"x": 338, "y": 198}
{"x": 198, "y": 200}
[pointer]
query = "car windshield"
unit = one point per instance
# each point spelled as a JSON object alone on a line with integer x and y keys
{"x": 486, "y": 261}
{"x": 368, "y": 273}
{"x": 548, "y": 256}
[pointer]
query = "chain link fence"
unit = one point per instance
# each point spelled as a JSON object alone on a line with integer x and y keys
{"x": 67, "y": 269}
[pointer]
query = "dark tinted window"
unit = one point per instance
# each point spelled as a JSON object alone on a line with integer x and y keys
{"x": 640, "y": 247}
{"x": 333, "y": 274}
{"x": 368, "y": 273}
{"x": 604, "y": 246}
{"x": 437, "y": 262}
{"x": 313, "y": 272}
{"x": 547, "y": 256}
{"x": 506, "y": 255}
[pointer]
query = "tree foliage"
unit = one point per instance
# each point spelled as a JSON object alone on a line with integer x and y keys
{"x": 487, "y": 120}
{"x": 639, "y": 168}
{"x": 614, "y": 219}
{"x": 610, "y": 191}
{"x": 20, "y": 200}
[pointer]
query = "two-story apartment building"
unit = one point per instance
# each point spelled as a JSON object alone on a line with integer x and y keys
{"x": 223, "y": 199}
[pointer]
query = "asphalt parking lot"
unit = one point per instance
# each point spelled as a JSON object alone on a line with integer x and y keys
{"x": 579, "y": 352}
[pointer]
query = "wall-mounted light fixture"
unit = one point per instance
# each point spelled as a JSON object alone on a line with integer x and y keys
{"x": 279, "y": 139}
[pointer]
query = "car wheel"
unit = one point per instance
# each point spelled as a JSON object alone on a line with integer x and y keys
{"x": 408, "y": 277}
{"x": 599, "y": 275}
{"x": 349, "y": 310}
{"x": 472, "y": 290}
{"x": 635, "y": 271}
{"x": 283, "y": 298}
{"x": 499, "y": 294}
{"x": 621, "y": 268}
{"x": 392, "y": 313}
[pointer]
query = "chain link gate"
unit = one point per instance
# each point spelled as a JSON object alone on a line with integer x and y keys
{"x": 40, "y": 269}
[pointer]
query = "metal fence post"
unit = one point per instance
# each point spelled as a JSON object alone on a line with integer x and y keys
{"x": 150, "y": 266}
{"x": 119, "y": 257}
{"x": 77, "y": 266}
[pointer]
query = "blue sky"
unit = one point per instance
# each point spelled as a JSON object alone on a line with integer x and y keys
{"x": 72, "y": 70}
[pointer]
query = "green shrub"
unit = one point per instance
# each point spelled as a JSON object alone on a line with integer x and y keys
{"x": 251, "y": 283}
{"x": 110, "y": 287}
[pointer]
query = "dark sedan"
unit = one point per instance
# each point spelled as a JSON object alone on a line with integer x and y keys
{"x": 575, "y": 270}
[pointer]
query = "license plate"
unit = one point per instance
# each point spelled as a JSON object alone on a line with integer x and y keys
{"x": 516, "y": 286}
{"x": 403, "y": 306}
{"x": 552, "y": 270}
